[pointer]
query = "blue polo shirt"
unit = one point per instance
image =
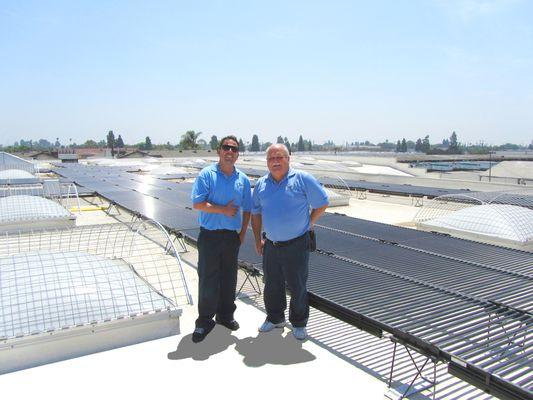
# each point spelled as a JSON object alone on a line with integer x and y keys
{"x": 214, "y": 186}
{"x": 285, "y": 206}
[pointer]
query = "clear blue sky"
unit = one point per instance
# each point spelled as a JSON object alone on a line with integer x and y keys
{"x": 340, "y": 70}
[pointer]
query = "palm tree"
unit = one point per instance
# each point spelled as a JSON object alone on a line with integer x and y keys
{"x": 188, "y": 140}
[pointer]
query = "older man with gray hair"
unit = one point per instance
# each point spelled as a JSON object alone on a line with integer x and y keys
{"x": 286, "y": 204}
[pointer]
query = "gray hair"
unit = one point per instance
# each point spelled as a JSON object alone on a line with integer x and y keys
{"x": 278, "y": 146}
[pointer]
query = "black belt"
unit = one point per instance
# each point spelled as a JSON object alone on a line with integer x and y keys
{"x": 286, "y": 242}
{"x": 217, "y": 230}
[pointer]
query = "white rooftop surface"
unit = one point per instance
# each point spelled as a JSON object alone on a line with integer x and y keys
{"x": 238, "y": 364}
{"x": 337, "y": 360}
{"x": 377, "y": 208}
{"x": 378, "y": 169}
{"x": 513, "y": 169}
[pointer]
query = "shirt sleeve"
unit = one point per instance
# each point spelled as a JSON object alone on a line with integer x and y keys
{"x": 316, "y": 195}
{"x": 247, "y": 196}
{"x": 200, "y": 189}
{"x": 256, "y": 202}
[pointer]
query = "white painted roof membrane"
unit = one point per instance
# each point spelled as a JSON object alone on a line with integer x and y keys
{"x": 378, "y": 170}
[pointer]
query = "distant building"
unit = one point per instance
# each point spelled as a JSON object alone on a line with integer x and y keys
{"x": 68, "y": 157}
{"x": 137, "y": 154}
{"x": 43, "y": 155}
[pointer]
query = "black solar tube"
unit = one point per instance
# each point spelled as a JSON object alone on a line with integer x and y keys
{"x": 461, "y": 328}
{"x": 337, "y": 239}
{"x": 417, "y": 281}
{"x": 407, "y": 305}
{"x": 485, "y": 343}
{"x": 527, "y": 382}
{"x": 484, "y": 322}
{"x": 458, "y": 248}
{"x": 485, "y": 254}
{"x": 401, "y": 283}
{"x": 511, "y": 365}
{"x": 394, "y": 290}
{"x": 467, "y": 343}
{"x": 470, "y": 323}
{"x": 444, "y": 273}
{"x": 496, "y": 339}
{"x": 515, "y": 369}
{"x": 359, "y": 304}
{"x": 400, "y": 263}
{"x": 363, "y": 288}
{"x": 351, "y": 316}
{"x": 521, "y": 299}
{"x": 419, "y": 310}
{"x": 444, "y": 318}
{"x": 518, "y": 372}
{"x": 473, "y": 263}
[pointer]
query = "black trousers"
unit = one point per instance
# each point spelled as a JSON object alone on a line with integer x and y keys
{"x": 283, "y": 267}
{"x": 217, "y": 275}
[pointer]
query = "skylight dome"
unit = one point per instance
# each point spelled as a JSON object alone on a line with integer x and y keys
{"x": 15, "y": 174}
{"x": 21, "y": 213}
{"x": 500, "y": 218}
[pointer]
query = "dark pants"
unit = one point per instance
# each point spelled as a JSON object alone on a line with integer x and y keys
{"x": 217, "y": 275}
{"x": 287, "y": 264}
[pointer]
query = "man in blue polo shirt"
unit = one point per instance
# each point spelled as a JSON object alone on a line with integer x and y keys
{"x": 220, "y": 192}
{"x": 286, "y": 205}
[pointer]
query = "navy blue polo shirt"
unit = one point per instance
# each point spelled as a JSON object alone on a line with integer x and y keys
{"x": 215, "y": 187}
{"x": 285, "y": 206}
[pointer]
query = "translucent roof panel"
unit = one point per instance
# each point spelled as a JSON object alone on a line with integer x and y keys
{"x": 337, "y": 198}
{"x": 15, "y": 174}
{"x": 30, "y": 208}
{"x": 502, "y": 221}
{"x": 45, "y": 291}
{"x": 11, "y": 161}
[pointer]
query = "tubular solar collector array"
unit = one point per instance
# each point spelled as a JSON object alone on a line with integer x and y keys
{"x": 475, "y": 314}
{"x": 374, "y": 187}
{"x": 463, "y": 302}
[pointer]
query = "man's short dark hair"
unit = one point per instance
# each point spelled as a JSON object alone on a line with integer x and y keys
{"x": 229, "y": 137}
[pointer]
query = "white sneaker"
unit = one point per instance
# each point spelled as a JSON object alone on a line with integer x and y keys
{"x": 268, "y": 326}
{"x": 300, "y": 333}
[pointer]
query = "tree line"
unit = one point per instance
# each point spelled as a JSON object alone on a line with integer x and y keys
{"x": 422, "y": 145}
{"x": 192, "y": 140}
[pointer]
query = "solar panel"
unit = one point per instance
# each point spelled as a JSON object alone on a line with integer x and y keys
{"x": 394, "y": 189}
{"x": 464, "y": 302}
{"x": 471, "y": 279}
{"x": 372, "y": 229}
{"x": 474, "y": 252}
{"x": 436, "y": 321}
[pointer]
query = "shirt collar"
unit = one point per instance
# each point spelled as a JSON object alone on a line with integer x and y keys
{"x": 216, "y": 168}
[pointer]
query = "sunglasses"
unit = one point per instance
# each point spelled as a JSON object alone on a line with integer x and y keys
{"x": 227, "y": 147}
